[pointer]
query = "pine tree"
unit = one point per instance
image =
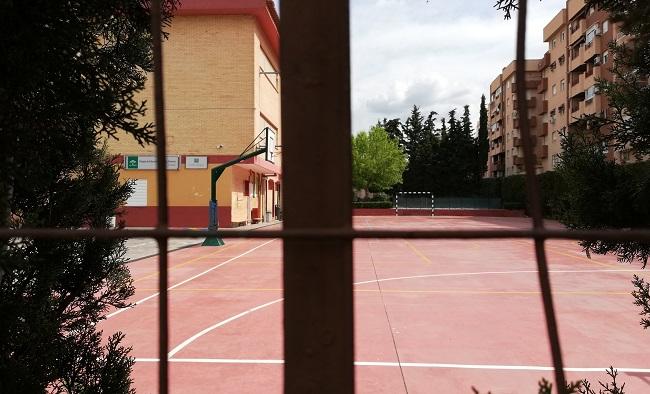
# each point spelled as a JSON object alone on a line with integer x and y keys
{"x": 70, "y": 71}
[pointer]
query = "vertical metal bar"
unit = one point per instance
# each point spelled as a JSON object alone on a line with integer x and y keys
{"x": 534, "y": 201}
{"x": 161, "y": 172}
{"x": 318, "y": 313}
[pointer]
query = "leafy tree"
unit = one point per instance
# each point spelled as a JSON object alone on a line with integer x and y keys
{"x": 483, "y": 143}
{"x": 377, "y": 161}
{"x": 70, "y": 72}
{"x": 394, "y": 129}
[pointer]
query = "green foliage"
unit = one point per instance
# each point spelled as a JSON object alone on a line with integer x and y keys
{"x": 579, "y": 387}
{"x": 604, "y": 195}
{"x": 513, "y": 192}
{"x": 642, "y": 298}
{"x": 71, "y": 71}
{"x": 377, "y": 160}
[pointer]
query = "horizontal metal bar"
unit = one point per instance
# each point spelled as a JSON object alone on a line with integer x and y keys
{"x": 640, "y": 235}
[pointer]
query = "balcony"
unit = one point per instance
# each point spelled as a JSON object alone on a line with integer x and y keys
{"x": 591, "y": 77}
{"x": 577, "y": 58}
{"x": 543, "y": 151}
{"x": 545, "y": 62}
{"x": 519, "y": 160}
{"x": 544, "y": 131}
{"x": 593, "y": 48}
{"x": 578, "y": 31}
{"x": 532, "y": 102}
{"x": 543, "y": 85}
{"x": 518, "y": 142}
{"x": 543, "y": 108}
{"x": 577, "y": 85}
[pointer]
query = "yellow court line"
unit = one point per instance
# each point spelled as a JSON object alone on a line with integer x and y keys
{"x": 554, "y": 249}
{"x": 186, "y": 263}
{"x": 420, "y": 254}
{"x": 460, "y": 292}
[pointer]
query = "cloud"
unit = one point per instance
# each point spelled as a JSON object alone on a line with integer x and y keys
{"x": 438, "y": 55}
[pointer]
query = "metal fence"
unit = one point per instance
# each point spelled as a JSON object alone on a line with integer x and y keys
{"x": 315, "y": 52}
{"x": 467, "y": 203}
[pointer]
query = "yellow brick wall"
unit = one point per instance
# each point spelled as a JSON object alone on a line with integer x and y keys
{"x": 209, "y": 69}
{"x": 190, "y": 188}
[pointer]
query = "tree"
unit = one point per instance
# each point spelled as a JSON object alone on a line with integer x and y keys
{"x": 394, "y": 129}
{"x": 377, "y": 161}
{"x": 483, "y": 143}
{"x": 70, "y": 74}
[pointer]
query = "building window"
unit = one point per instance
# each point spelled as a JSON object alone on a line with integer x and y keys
{"x": 605, "y": 26}
{"x": 590, "y": 93}
{"x": 554, "y": 90}
{"x": 562, "y": 84}
{"x": 562, "y": 36}
{"x": 591, "y": 34}
{"x": 554, "y": 43}
{"x": 556, "y": 160}
{"x": 605, "y": 57}
{"x": 561, "y": 60}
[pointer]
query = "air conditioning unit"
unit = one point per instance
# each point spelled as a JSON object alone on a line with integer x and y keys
{"x": 515, "y": 114}
{"x": 597, "y": 61}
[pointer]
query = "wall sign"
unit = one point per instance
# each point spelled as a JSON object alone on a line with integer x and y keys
{"x": 149, "y": 162}
{"x": 196, "y": 161}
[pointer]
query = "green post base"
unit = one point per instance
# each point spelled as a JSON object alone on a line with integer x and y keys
{"x": 213, "y": 241}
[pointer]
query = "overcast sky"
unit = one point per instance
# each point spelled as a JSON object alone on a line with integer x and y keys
{"x": 437, "y": 55}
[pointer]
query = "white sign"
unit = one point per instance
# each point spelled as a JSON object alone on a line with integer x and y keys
{"x": 196, "y": 161}
{"x": 149, "y": 162}
{"x": 139, "y": 196}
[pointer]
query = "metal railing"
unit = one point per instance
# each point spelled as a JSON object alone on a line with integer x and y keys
{"x": 315, "y": 52}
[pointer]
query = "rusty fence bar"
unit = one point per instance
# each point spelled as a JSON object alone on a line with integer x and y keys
{"x": 535, "y": 203}
{"x": 333, "y": 233}
{"x": 161, "y": 173}
{"x": 317, "y": 272}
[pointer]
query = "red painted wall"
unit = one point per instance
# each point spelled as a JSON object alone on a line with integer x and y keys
{"x": 184, "y": 217}
{"x": 439, "y": 212}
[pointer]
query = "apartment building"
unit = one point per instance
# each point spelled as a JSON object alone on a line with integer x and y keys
{"x": 505, "y": 156}
{"x": 222, "y": 88}
{"x": 578, "y": 38}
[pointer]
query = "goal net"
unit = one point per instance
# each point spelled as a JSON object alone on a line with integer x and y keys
{"x": 414, "y": 203}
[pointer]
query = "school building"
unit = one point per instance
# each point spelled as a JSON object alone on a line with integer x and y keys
{"x": 222, "y": 89}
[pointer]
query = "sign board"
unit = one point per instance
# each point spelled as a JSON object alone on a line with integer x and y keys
{"x": 139, "y": 196}
{"x": 149, "y": 162}
{"x": 196, "y": 161}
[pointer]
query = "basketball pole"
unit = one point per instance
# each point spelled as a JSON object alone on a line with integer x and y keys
{"x": 215, "y": 174}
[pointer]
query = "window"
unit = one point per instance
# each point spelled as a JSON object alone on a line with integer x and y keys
{"x": 562, "y": 85}
{"x": 554, "y": 44}
{"x": 554, "y": 90}
{"x": 561, "y": 60}
{"x": 562, "y": 36}
{"x": 508, "y": 85}
{"x": 605, "y": 26}
{"x": 590, "y": 93}
{"x": 605, "y": 57}
{"x": 591, "y": 34}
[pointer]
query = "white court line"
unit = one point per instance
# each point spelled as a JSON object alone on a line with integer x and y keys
{"x": 489, "y": 273}
{"x": 221, "y": 323}
{"x": 117, "y": 312}
{"x": 403, "y": 364}
{"x": 240, "y": 315}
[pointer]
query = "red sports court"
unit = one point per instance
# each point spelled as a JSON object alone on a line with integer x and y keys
{"x": 431, "y": 316}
